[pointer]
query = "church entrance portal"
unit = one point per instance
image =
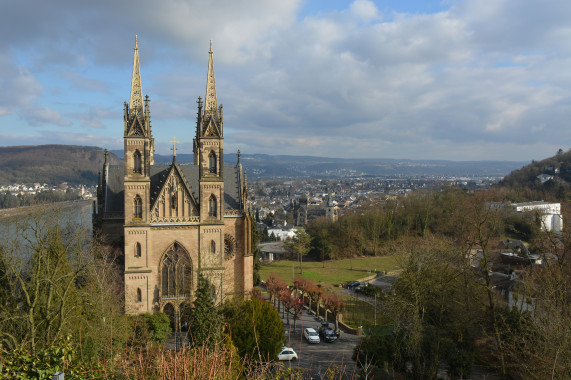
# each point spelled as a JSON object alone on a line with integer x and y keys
{"x": 169, "y": 310}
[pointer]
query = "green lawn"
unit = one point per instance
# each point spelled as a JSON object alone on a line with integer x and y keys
{"x": 361, "y": 313}
{"x": 335, "y": 272}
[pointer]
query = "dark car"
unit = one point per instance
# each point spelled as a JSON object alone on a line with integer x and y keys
{"x": 327, "y": 333}
{"x": 359, "y": 288}
{"x": 352, "y": 284}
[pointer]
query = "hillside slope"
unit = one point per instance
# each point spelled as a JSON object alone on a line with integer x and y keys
{"x": 552, "y": 175}
{"x": 51, "y": 164}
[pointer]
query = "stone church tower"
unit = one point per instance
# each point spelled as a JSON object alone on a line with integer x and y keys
{"x": 176, "y": 222}
{"x": 331, "y": 210}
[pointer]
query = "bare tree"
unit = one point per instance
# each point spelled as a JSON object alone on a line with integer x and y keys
{"x": 44, "y": 268}
{"x": 298, "y": 246}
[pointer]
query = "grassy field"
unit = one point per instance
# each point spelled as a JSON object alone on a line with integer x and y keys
{"x": 334, "y": 272}
{"x": 361, "y": 313}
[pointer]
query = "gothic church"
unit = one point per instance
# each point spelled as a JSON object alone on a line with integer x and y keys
{"x": 176, "y": 221}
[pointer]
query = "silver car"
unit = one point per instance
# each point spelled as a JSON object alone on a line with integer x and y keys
{"x": 311, "y": 335}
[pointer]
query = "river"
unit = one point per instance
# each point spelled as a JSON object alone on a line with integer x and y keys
{"x": 68, "y": 213}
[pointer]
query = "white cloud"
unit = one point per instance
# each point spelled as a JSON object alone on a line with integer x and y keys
{"x": 95, "y": 116}
{"x": 18, "y": 86}
{"x": 365, "y": 10}
{"x": 37, "y": 115}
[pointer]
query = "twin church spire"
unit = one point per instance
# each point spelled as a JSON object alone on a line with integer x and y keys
{"x": 211, "y": 115}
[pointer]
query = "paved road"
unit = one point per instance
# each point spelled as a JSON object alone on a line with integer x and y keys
{"x": 317, "y": 358}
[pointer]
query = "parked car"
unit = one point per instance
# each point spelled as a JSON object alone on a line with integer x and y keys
{"x": 327, "y": 334}
{"x": 352, "y": 284}
{"x": 311, "y": 335}
{"x": 287, "y": 353}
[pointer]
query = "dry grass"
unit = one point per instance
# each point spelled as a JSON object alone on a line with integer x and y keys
{"x": 187, "y": 363}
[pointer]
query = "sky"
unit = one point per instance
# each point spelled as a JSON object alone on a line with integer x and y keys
{"x": 458, "y": 80}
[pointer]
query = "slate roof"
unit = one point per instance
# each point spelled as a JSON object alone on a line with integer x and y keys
{"x": 114, "y": 194}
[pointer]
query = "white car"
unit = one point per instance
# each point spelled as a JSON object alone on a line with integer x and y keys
{"x": 311, "y": 335}
{"x": 287, "y": 353}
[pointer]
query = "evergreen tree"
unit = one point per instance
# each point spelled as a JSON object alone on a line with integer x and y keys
{"x": 205, "y": 319}
{"x": 256, "y": 329}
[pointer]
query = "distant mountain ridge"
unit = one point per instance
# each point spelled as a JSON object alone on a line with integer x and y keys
{"x": 261, "y": 166}
{"x": 51, "y": 164}
{"x": 54, "y": 164}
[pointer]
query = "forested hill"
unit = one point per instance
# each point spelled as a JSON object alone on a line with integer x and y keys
{"x": 551, "y": 175}
{"x": 54, "y": 164}
{"x": 51, "y": 164}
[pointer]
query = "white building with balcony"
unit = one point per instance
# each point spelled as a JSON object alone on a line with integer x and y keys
{"x": 551, "y": 218}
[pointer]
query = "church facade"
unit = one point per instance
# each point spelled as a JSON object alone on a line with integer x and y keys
{"x": 176, "y": 222}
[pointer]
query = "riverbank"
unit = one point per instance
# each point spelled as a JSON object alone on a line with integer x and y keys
{"x": 24, "y": 210}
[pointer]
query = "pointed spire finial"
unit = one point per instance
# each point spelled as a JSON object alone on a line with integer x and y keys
{"x": 136, "y": 102}
{"x": 210, "y": 102}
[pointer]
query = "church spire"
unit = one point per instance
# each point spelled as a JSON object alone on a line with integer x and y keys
{"x": 136, "y": 102}
{"x": 210, "y": 103}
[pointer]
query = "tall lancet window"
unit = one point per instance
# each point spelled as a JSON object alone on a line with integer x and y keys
{"x": 212, "y": 246}
{"x": 138, "y": 207}
{"x": 212, "y": 162}
{"x": 176, "y": 273}
{"x": 212, "y": 206}
{"x": 138, "y": 162}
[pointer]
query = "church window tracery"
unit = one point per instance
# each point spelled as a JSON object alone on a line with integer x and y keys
{"x": 138, "y": 207}
{"x": 176, "y": 273}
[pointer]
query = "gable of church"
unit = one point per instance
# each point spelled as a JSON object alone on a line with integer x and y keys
{"x": 136, "y": 129}
{"x": 212, "y": 129}
{"x": 174, "y": 201}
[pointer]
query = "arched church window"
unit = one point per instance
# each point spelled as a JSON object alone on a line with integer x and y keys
{"x": 139, "y": 295}
{"x": 212, "y": 162}
{"x": 212, "y": 246}
{"x": 229, "y": 246}
{"x": 138, "y": 162}
{"x": 138, "y": 207}
{"x": 176, "y": 273}
{"x": 212, "y": 205}
{"x": 138, "y": 249}
{"x": 213, "y": 292}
